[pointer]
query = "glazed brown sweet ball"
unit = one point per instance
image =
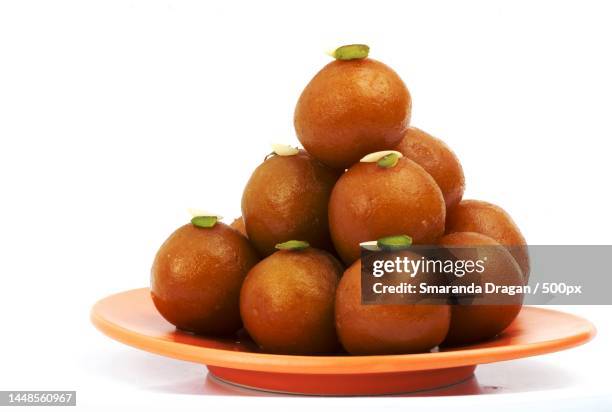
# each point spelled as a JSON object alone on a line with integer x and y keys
{"x": 196, "y": 278}
{"x": 352, "y": 108}
{"x": 493, "y": 221}
{"x": 370, "y": 202}
{"x": 374, "y": 329}
{"x": 287, "y": 302}
{"x": 286, "y": 198}
{"x": 433, "y": 155}
{"x": 477, "y": 322}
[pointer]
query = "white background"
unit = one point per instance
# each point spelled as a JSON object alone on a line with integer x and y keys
{"x": 115, "y": 116}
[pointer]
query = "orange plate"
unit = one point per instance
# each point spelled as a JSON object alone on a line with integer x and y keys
{"x": 131, "y": 318}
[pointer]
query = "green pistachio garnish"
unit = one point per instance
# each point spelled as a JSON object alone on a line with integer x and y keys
{"x": 293, "y": 245}
{"x": 398, "y": 242}
{"x": 388, "y": 161}
{"x": 351, "y": 52}
{"x": 204, "y": 221}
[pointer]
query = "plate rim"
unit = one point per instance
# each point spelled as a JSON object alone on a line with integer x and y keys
{"x": 265, "y": 362}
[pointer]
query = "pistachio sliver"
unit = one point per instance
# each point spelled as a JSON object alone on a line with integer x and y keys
{"x": 389, "y": 160}
{"x": 398, "y": 242}
{"x": 204, "y": 221}
{"x": 293, "y": 245}
{"x": 351, "y": 52}
{"x": 376, "y": 156}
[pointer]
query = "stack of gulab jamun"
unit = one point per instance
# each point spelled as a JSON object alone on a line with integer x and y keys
{"x": 287, "y": 271}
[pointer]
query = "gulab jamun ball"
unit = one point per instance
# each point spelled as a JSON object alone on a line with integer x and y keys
{"x": 374, "y": 329}
{"x": 433, "y": 155}
{"x": 196, "y": 278}
{"x": 493, "y": 221}
{"x": 286, "y": 198}
{"x": 287, "y": 302}
{"x": 370, "y": 202}
{"x": 352, "y": 108}
{"x": 471, "y": 323}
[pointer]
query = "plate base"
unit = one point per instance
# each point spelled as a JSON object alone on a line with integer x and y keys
{"x": 344, "y": 384}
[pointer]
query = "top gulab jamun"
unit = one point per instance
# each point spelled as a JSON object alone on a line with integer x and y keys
{"x": 352, "y": 108}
